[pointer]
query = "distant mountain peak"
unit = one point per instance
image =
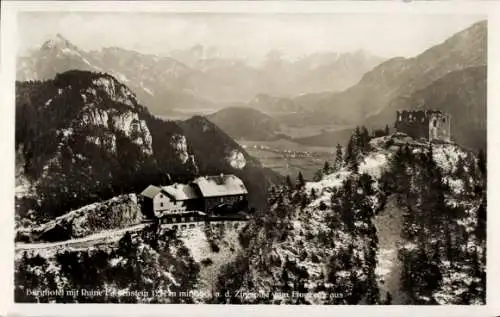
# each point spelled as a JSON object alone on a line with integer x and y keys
{"x": 60, "y": 37}
{"x": 57, "y": 41}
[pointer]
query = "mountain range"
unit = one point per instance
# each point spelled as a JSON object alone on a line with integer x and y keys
{"x": 450, "y": 77}
{"x": 399, "y": 77}
{"x": 197, "y": 80}
{"x": 159, "y": 82}
{"x": 462, "y": 94}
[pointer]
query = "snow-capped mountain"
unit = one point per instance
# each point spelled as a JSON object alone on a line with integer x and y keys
{"x": 237, "y": 79}
{"x": 160, "y": 83}
{"x": 205, "y": 80}
{"x": 55, "y": 56}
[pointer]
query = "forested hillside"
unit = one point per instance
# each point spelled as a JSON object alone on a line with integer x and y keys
{"x": 146, "y": 268}
{"x": 319, "y": 239}
{"x": 83, "y": 137}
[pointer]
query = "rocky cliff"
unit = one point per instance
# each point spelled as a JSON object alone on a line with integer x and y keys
{"x": 116, "y": 213}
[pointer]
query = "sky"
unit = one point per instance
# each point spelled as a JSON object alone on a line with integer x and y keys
{"x": 249, "y": 36}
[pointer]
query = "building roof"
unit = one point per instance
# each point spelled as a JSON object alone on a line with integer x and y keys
{"x": 181, "y": 191}
{"x": 151, "y": 191}
{"x": 223, "y": 185}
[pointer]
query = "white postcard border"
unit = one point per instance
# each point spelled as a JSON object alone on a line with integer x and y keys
{"x": 7, "y": 68}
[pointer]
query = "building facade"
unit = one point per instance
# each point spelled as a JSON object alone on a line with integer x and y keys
{"x": 424, "y": 124}
{"x": 205, "y": 195}
{"x": 220, "y": 192}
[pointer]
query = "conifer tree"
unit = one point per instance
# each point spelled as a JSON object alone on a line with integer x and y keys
{"x": 482, "y": 161}
{"x": 365, "y": 183}
{"x": 304, "y": 201}
{"x": 481, "y": 216}
{"x": 353, "y": 148}
{"x": 388, "y": 299}
{"x": 301, "y": 183}
{"x": 373, "y": 291}
{"x": 387, "y": 131}
{"x": 345, "y": 207}
{"x": 313, "y": 193}
{"x": 364, "y": 140}
{"x": 460, "y": 169}
{"x": 338, "y": 158}
{"x": 318, "y": 175}
{"x": 326, "y": 168}
{"x": 349, "y": 154}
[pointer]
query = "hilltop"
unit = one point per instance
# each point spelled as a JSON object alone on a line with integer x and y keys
{"x": 357, "y": 235}
{"x": 246, "y": 123}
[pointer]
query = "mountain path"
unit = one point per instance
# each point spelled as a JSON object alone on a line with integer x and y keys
{"x": 103, "y": 236}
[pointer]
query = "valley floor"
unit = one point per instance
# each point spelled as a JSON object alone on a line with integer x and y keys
{"x": 289, "y": 158}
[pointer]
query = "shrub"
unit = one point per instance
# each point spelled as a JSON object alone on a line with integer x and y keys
{"x": 207, "y": 262}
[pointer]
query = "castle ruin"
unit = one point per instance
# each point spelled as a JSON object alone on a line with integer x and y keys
{"x": 426, "y": 124}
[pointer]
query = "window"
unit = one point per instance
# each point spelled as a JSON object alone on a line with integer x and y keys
{"x": 161, "y": 204}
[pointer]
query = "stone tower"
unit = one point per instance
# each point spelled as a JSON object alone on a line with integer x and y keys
{"x": 424, "y": 124}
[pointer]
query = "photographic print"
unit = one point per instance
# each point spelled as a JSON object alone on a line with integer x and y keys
{"x": 250, "y": 158}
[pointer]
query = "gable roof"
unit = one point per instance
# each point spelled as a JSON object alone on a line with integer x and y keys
{"x": 151, "y": 191}
{"x": 223, "y": 185}
{"x": 181, "y": 191}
